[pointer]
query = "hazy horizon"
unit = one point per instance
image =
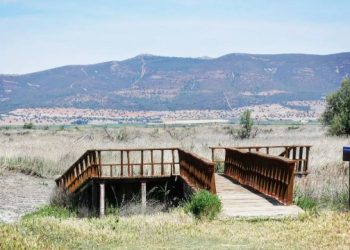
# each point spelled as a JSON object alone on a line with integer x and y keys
{"x": 39, "y": 35}
{"x": 170, "y": 56}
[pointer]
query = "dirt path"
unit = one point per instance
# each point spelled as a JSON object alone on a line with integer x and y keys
{"x": 20, "y": 194}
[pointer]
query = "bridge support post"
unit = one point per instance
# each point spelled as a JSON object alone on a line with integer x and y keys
{"x": 143, "y": 197}
{"x": 93, "y": 198}
{"x": 102, "y": 199}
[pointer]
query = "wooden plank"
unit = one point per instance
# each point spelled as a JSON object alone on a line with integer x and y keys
{"x": 238, "y": 201}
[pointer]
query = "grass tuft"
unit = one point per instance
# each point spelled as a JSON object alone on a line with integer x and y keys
{"x": 204, "y": 205}
{"x": 51, "y": 211}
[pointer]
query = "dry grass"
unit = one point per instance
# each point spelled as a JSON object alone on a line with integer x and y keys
{"x": 50, "y": 152}
{"x": 177, "y": 230}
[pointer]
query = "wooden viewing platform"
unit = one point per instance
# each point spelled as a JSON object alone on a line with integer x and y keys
{"x": 253, "y": 184}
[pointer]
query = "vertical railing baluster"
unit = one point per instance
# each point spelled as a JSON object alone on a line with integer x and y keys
{"x": 173, "y": 162}
{"x": 306, "y": 166}
{"x": 128, "y": 159}
{"x": 121, "y": 163}
{"x": 152, "y": 163}
{"x": 162, "y": 162}
{"x": 141, "y": 166}
{"x": 300, "y": 163}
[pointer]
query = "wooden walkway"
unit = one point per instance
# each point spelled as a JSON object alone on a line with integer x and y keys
{"x": 239, "y": 201}
{"x": 270, "y": 176}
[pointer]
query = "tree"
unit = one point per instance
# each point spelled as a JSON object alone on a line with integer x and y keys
{"x": 246, "y": 123}
{"x": 337, "y": 113}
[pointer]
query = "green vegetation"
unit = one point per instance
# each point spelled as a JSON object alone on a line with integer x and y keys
{"x": 305, "y": 201}
{"x": 28, "y": 126}
{"x": 293, "y": 127}
{"x": 326, "y": 201}
{"x": 51, "y": 211}
{"x": 246, "y": 123}
{"x": 57, "y": 229}
{"x": 204, "y": 205}
{"x": 337, "y": 113}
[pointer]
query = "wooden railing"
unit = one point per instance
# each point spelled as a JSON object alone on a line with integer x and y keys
{"x": 133, "y": 163}
{"x": 81, "y": 171}
{"x": 270, "y": 175}
{"x": 138, "y": 163}
{"x": 197, "y": 171}
{"x": 299, "y": 153}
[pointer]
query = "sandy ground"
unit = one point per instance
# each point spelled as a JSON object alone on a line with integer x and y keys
{"x": 20, "y": 194}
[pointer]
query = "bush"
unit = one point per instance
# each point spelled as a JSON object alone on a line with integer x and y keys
{"x": 204, "y": 204}
{"x": 122, "y": 135}
{"x": 62, "y": 198}
{"x": 307, "y": 203}
{"x": 246, "y": 123}
{"x": 337, "y": 113}
{"x": 28, "y": 126}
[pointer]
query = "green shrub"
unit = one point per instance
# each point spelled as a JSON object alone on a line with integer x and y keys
{"x": 305, "y": 202}
{"x": 293, "y": 127}
{"x": 246, "y": 123}
{"x": 61, "y": 128}
{"x": 204, "y": 205}
{"x": 28, "y": 126}
{"x": 337, "y": 113}
{"x": 220, "y": 167}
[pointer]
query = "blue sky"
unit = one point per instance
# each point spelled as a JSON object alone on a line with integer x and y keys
{"x": 36, "y": 35}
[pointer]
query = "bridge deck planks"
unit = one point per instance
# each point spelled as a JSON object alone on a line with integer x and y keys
{"x": 239, "y": 201}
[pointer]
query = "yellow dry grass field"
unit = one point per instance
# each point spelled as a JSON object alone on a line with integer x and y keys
{"x": 49, "y": 151}
{"x": 176, "y": 230}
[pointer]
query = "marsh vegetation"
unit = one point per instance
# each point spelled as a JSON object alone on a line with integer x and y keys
{"x": 48, "y": 152}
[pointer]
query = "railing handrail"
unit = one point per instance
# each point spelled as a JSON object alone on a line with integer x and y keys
{"x": 204, "y": 160}
{"x": 300, "y": 153}
{"x": 268, "y": 174}
{"x": 264, "y": 146}
{"x": 276, "y": 157}
{"x": 205, "y": 178}
{"x": 109, "y": 150}
{"x": 132, "y": 149}
{"x": 92, "y": 158}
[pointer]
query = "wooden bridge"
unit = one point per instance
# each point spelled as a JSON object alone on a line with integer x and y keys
{"x": 251, "y": 184}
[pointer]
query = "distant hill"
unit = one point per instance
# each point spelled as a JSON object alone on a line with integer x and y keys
{"x": 148, "y": 82}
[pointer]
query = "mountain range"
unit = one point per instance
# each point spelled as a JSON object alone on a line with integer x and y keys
{"x": 148, "y": 82}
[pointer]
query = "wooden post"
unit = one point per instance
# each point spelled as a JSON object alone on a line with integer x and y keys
{"x": 99, "y": 164}
{"x": 152, "y": 164}
{"x": 173, "y": 160}
{"x": 307, "y": 159}
{"x": 212, "y": 154}
{"x": 300, "y": 163}
{"x": 162, "y": 164}
{"x": 143, "y": 197}
{"x": 102, "y": 199}
{"x": 93, "y": 198}
{"x": 141, "y": 166}
{"x": 128, "y": 158}
{"x": 121, "y": 163}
